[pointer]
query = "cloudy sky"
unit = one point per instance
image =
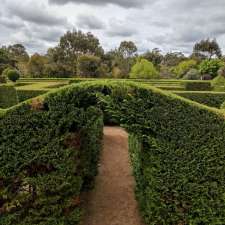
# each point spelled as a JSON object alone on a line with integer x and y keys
{"x": 171, "y": 25}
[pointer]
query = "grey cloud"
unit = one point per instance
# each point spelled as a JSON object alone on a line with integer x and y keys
{"x": 36, "y": 14}
{"x": 90, "y": 22}
{"x": 123, "y": 3}
{"x": 120, "y": 29}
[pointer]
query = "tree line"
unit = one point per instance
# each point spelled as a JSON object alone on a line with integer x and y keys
{"x": 80, "y": 54}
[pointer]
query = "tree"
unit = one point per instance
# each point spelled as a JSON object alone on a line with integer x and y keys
{"x": 207, "y": 49}
{"x": 211, "y": 67}
{"x": 71, "y": 46}
{"x": 127, "y": 49}
{"x": 183, "y": 67}
{"x": 88, "y": 66}
{"x": 5, "y": 60}
{"x": 36, "y": 65}
{"x": 18, "y": 53}
{"x": 144, "y": 69}
{"x": 154, "y": 56}
{"x": 173, "y": 59}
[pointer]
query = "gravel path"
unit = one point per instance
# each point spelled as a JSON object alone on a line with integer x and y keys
{"x": 112, "y": 202}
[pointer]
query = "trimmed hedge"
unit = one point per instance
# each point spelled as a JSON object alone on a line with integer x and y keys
{"x": 212, "y": 99}
{"x": 8, "y": 96}
{"x": 177, "y": 149}
{"x": 24, "y": 95}
{"x": 198, "y": 86}
{"x": 49, "y": 149}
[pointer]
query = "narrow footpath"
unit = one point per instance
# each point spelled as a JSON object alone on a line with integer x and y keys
{"x": 112, "y": 202}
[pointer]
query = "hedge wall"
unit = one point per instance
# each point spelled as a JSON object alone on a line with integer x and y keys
{"x": 212, "y": 99}
{"x": 49, "y": 150}
{"x": 8, "y": 96}
{"x": 178, "y": 154}
{"x": 24, "y": 95}
{"x": 177, "y": 149}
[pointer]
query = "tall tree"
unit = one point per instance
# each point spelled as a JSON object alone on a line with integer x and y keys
{"x": 72, "y": 45}
{"x": 36, "y": 65}
{"x": 127, "y": 49}
{"x": 18, "y": 53}
{"x": 207, "y": 49}
{"x": 155, "y": 56}
{"x": 173, "y": 58}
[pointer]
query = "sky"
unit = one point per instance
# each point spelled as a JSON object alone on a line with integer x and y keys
{"x": 170, "y": 25}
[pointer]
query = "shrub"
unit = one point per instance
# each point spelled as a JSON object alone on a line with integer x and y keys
{"x": 192, "y": 74}
{"x": 219, "y": 83}
{"x": 198, "y": 86}
{"x": 221, "y": 71}
{"x": 210, "y": 67}
{"x": 212, "y": 99}
{"x": 2, "y": 79}
{"x": 13, "y": 75}
{"x": 144, "y": 69}
{"x": 8, "y": 96}
{"x": 183, "y": 67}
{"x": 88, "y": 66}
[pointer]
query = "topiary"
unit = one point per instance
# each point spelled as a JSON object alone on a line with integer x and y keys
{"x": 13, "y": 75}
{"x": 192, "y": 74}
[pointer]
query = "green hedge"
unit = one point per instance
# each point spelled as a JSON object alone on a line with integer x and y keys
{"x": 177, "y": 149}
{"x": 8, "y": 96}
{"x": 49, "y": 149}
{"x": 179, "y": 156}
{"x": 212, "y": 99}
{"x": 24, "y": 95}
{"x": 198, "y": 86}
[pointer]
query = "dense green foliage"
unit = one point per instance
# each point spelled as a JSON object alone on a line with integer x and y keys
{"x": 210, "y": 67}
{"x": 144, "y": 69}
{"x": 192, "y": 74}
{"x": 218, "y": 83}
{"x": 13, "y": 75}
{"x": 183, "y": 67}
{"x": 212, "y": 99}
{"x": 49, "y": 152}
{"x": 198, "y": 86}
{"x": 8, "y": 96}
{"x": 177, "y": 149}
{"x": 88, "y": 66}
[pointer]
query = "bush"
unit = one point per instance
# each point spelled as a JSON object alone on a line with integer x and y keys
{"x": 88, "y": 66}
{"x": 49, "y": 150}
{"x": 144, "y": 69}
{"x": 198, "y": 86}
{"x": 13, "y": 75}
{"x": 221, "y": 71}
{"x": 210, "y": 67}
{"x": 2, "y": 79}
{"x": 183, "y": 67}
{"x": 219, "y": 83}
{"x": 212, "y": 99}
{"x": 8, "y": 96}
{"x": 192, "y": 74}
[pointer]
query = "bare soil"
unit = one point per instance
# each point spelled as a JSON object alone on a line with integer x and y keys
{"x": 112, "y": 202}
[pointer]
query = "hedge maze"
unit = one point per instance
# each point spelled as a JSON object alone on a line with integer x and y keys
{"x": 49, "y": 151}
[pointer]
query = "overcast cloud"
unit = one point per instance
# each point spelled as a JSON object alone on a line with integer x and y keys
{"x": 171, "y": 25}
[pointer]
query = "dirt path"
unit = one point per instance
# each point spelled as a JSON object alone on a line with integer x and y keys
{"x": 112, "y": 202}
